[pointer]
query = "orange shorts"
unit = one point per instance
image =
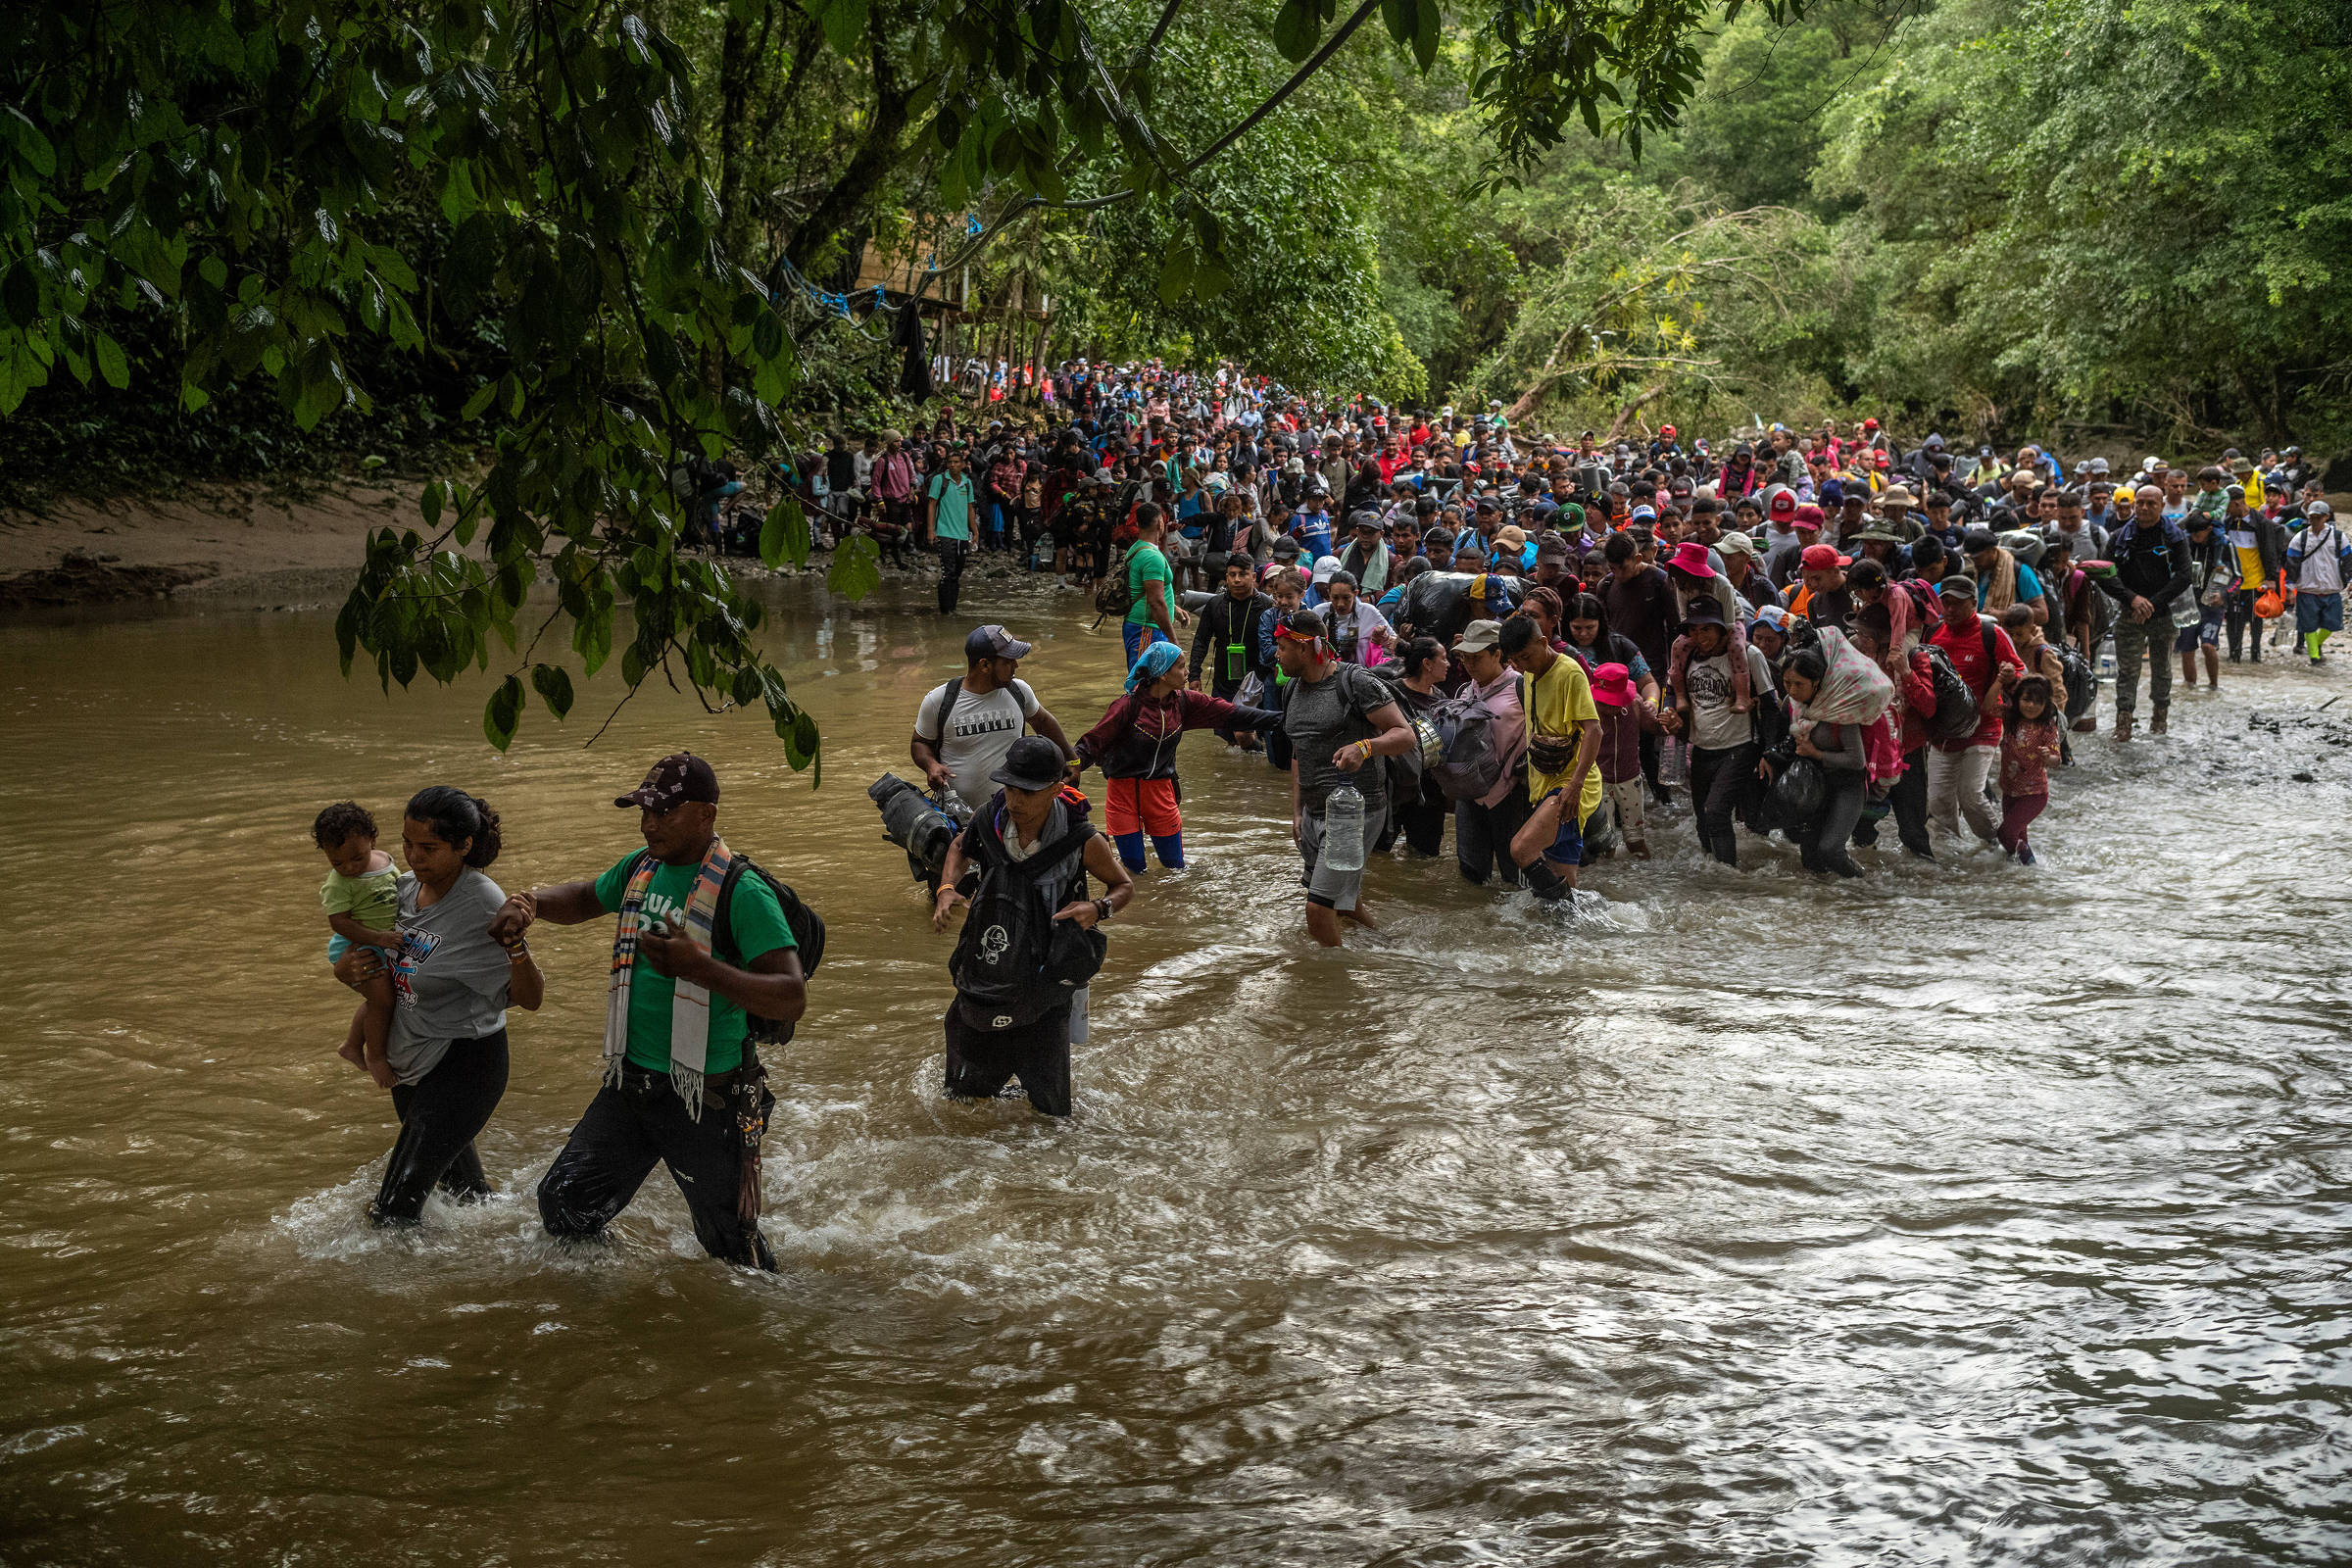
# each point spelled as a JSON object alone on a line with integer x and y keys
{"x": 1142, "y": 806}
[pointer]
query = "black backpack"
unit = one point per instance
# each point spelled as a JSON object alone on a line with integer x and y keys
{"x": 2081, "y": 682}
{"x": 1957, "y": 715}
{"x": 806, "y": 927}
{"x": 1014, "y": 962}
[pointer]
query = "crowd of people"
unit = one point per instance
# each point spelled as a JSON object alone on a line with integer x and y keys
{"x": 1563, "y": 648}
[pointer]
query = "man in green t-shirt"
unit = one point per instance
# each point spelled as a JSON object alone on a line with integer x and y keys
{"x": 1152, "y": 613}
{"x": 947, "y": 524}
{"x": 657, "y": 1101}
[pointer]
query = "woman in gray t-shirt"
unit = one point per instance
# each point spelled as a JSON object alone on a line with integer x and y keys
{"x": 450, "y": 982}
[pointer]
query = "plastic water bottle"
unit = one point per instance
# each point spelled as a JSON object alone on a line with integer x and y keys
{"x": 1344, "y": 829}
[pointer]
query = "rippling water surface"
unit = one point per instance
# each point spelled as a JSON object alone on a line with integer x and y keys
{"x": 1961, "y": 1215}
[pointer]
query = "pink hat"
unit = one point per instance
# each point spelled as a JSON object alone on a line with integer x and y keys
{"x": 1692, "y": 557}
{"x": 1613, "y": 684}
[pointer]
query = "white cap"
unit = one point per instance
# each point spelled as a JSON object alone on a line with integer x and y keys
{"x": 1325, "y": 566}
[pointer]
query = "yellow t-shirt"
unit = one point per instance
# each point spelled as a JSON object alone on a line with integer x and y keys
{"x": 1560, "y": 702}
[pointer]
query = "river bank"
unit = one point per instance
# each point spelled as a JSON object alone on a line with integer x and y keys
{"x": 228, "y": 546}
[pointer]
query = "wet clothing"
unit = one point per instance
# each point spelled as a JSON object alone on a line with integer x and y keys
{"x": 449, "y": 977}
{"x": 754, "y": 922}
{"x": 625, "y": 1130}
{"x": 2151, "y": 560}
{"x": 440, "y": 1115}
{"x": 980, "y": 1062}
{"x": 1560, "y": 705}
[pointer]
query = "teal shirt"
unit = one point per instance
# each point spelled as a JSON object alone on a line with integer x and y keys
{"x": 756, "y": 923}
{"x": 955, "y": 498}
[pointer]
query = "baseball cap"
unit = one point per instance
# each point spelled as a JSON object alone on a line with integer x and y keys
{"x": 1032, "y": 762}
{"x": 1958, "y": 585}
{"x": 1736, "y": 543}
{"x": 1325, "y": 566}
{"x": 1822, "y": 557}
{"x": 1287, "y": 547}
{"x": 2318, "y": 509}
{"x": 1480, "y": 636}
{"x": 1869, "y": 425}
{"x": 1703, "y": 612}
{"x": 677, "y": 778}
{"x": 1782, "y": 505}
{"x": 993, "y": 640}
{"x": 1365, "y": 517}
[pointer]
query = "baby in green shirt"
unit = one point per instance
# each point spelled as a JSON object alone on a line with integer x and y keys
{"x": 361, "y": 898}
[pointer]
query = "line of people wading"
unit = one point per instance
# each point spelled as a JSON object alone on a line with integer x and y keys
{"x": 1542, "y": 688}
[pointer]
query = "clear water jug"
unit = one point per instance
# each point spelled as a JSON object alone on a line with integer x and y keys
{"x": 1344, "y": 830}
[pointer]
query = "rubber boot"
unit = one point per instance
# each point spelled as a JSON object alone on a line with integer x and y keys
{"x": 1131, "y": 849}
{"x": 1545, "y": 883}
{"x": 2156, "y": 723}
{"x": 2123, "y": 726}
{"x": 1170, "y": 849}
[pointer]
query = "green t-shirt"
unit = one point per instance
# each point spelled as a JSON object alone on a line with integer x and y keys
{"x": 1145, "y": 563}
{"x": 372, "y": 898}
{"x": 955, "y": 498}
{"x": 756, "y": 921}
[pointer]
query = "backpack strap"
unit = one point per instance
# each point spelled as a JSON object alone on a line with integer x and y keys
{"x": 947, "y": 707}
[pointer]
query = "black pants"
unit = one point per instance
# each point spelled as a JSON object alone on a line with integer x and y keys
{"x": 982, "y": 1061}
{"x": 1419, "y": 820}
{"x": 1823, "y": 841}
{"x": 440, "y": 1115}
{"x": 1719, "y": 781}
{"x": 1649, "y": 772}
{"x": 612, "y": 1151}
{"x": 951, "y": 572}
{"x": 1483, "y": 834}
{"x": 2239, "y": 620}
{"x": 1909, "y": 802}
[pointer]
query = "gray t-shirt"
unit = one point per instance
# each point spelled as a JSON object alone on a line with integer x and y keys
{"x": 450, "y": 979}
{"x": 1321, "y": 717}
{"x": 978, "y": 734}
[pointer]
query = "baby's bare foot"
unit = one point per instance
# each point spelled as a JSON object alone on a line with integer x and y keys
{"x": 351, "y": 1054}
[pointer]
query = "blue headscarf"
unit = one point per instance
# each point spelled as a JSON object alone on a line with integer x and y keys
{"x": 1152, "y": 663}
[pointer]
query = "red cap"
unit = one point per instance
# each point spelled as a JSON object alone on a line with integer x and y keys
{"x": 1869, "y": 425}
{"x": 1665, "y": 430}
{"x": 1808, "y": 515}
{"x": 1783, "y": 503}
{"x": 1820, "y": 558}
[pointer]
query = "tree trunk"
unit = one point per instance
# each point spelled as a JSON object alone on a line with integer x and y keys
{"x": 1626, "y": 412}
{"x": 876, "y": 155}
{"x": 738, "y": 58}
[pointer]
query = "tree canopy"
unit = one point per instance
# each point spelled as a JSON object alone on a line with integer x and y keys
{"x": 574, "y": 234}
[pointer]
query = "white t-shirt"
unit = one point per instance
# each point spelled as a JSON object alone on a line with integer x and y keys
{"x": 1714, "y": 726}
{"x": 979, "y": 733}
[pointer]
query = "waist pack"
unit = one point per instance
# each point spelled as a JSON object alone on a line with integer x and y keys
{"x": 1014, "y": 962}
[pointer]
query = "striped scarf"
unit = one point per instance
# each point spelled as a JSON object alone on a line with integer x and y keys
{"x": 690, "y": 1005}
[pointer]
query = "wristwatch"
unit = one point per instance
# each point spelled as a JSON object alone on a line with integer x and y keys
{"x": 1102, "y": 910}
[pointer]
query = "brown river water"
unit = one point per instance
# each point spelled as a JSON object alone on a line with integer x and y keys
{"x": 1960, "y": 1216}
